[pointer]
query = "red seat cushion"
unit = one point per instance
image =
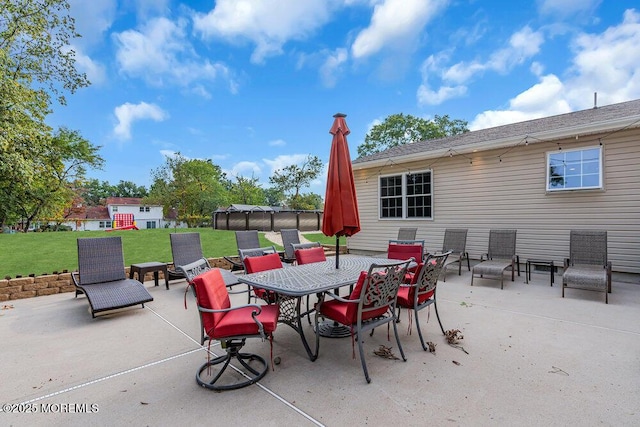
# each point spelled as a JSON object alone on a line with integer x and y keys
{"x": 211, "y": 293}
{"x": 310, "y": 255}
{"x": 345, "y": 312}
{"x": 256, "y": 264}
{"x": 239, "y": 322}
{"x": 406, "y": 295}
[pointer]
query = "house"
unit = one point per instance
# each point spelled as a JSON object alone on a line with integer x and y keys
{"x": 103, "y": 217}
{"x": 542, "y": 177}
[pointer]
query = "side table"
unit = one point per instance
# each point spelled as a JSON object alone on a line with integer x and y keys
{"x": 545, "y": 262}
{"x": 150, "y": 267}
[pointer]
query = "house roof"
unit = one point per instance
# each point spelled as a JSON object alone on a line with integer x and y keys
{"x": 90, "y": 212}
{"x": 123, "y": 201}
{"x": 577, "y": 124}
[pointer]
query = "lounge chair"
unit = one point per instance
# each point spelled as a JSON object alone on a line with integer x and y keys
{"x": 102, "y": 278}
{"x": 455, "y": 241}
{"x": 407, "y": 233}
{"x": 500, "y": 257}
{"x": 245, "y": 239}
{"x": 290, "y": 237}
{"x": 185, "y": 249}
{"x": 587, "y": 266}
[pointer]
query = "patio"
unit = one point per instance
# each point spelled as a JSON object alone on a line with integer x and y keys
{"x": 534, "y": 359}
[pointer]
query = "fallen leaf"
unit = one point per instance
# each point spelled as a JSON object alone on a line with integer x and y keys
{"x": 456, "y": 363}
{"x": 385, "y": 352}
{"x": 144, "y": 403}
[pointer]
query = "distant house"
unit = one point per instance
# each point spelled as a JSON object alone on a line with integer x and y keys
{"x": 103, "y": 217}
{"x": 542, "y": 177}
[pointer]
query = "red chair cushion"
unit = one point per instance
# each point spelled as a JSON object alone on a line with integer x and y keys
{"x": 239, "y": 322}
{"x": 404, "y": 252}
{"x": 256, "y": 264}
{"x": 406, "y": 295}
{"x": 347, "y": 312}
{"x": 310, "y": 255}
{"x": 211, "y": 293}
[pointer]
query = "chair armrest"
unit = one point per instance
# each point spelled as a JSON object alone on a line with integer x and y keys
{"x": 75, "y": 276}
{"x": 566, "y": 263}
{"x": 341, "y": 299}
{"x": 257, "y": 310}
{"x": 484, "y": 257}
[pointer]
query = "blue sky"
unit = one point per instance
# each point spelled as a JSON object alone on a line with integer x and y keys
{"x": 253, "y": 84}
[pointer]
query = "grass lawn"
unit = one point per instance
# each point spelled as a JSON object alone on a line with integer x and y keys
{"x": 43, "y": 253}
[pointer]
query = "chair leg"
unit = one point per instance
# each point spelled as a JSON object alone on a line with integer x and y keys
{"x": 424, "y": 346}
{"x": 250, "y": 373}
{"x": 435, "y": 305}
{"x": 395, "y": 332}
{"x": 361, "y": 351}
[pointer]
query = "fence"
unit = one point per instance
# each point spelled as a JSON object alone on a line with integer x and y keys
{"x": 268, "y": 221}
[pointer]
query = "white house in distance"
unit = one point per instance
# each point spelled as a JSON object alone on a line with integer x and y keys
{"x": 541, "y": 177}
{"x": 103, "y": 217}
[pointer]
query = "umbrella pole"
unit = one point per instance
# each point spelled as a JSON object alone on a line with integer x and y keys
{"x": 337, "y": 251}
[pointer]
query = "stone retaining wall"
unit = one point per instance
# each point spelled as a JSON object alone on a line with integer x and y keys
{"x": 29, "y": 287}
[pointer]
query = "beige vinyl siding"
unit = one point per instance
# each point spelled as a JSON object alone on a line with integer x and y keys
{"x": 512, "y": 194}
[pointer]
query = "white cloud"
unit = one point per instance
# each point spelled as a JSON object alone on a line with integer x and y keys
{"x": 541, "y": 100}
{"x": 94, "y": 70}
{"x": 161, "y": 53}
{"x": 333, "y": 66}
{"x": 605, "y": 63}
{"x": 265, "y": 23}
{"x": 92, "y": 19}
{"x": 277, "y": 143}
{"x": 395, "y": 23}
{"x": 523, "y": 44}
{"x": 283, "y": 161}
{"x": 128, "y": 113}
{"x": 564, "y": 8}
{"x": 244, "y": 168}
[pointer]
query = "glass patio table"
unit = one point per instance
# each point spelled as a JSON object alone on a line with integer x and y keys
{"x": 292, "y": 283}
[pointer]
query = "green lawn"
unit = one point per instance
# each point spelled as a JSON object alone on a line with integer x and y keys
{"x": 43, "y": 253}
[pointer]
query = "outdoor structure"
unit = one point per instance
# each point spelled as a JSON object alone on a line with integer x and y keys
{"x": 265, "y": 218}
{"x": 103, "y": 217}
{"x": 541, "y": 177}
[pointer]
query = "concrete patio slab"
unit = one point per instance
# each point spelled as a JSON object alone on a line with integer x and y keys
{"x": 533, "y": 358}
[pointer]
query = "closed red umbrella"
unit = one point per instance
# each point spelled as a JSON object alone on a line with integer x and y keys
{"x": 340, "y": 217}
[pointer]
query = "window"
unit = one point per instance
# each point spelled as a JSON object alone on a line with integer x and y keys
{"x": 147, "y": 209}
{"x": 151, "y": 224}
{"x": 114, "y": 209}
{"x": 141, "y": 208}
{"x": 104, "y": 224}
{"x": 574, "y": 169}
{"x": 406, "y": 196}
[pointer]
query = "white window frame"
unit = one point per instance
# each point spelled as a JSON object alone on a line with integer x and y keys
{"x": 404, "y": 196}
{"x": 564, "y": 153}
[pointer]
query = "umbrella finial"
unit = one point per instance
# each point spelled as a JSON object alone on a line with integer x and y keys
{"x": 336, "y": 115}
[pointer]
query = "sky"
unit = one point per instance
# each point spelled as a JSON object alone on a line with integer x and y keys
{"x": 253, "y": 84}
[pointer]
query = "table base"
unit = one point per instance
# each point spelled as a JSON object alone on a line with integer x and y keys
{"x": 331, "y": 329}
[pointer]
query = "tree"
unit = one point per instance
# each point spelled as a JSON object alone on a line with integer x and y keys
{"x": 194, "y": 187}
{"x": 400, "y": 129}
{"x": 50, "y": 189}
{"x": 290, "y": 179}
{"x": 129, "y": 189}
{"x": 309, "y": 202}
{"x": 246, "y": 191}
{"x": 35, "y": 62}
